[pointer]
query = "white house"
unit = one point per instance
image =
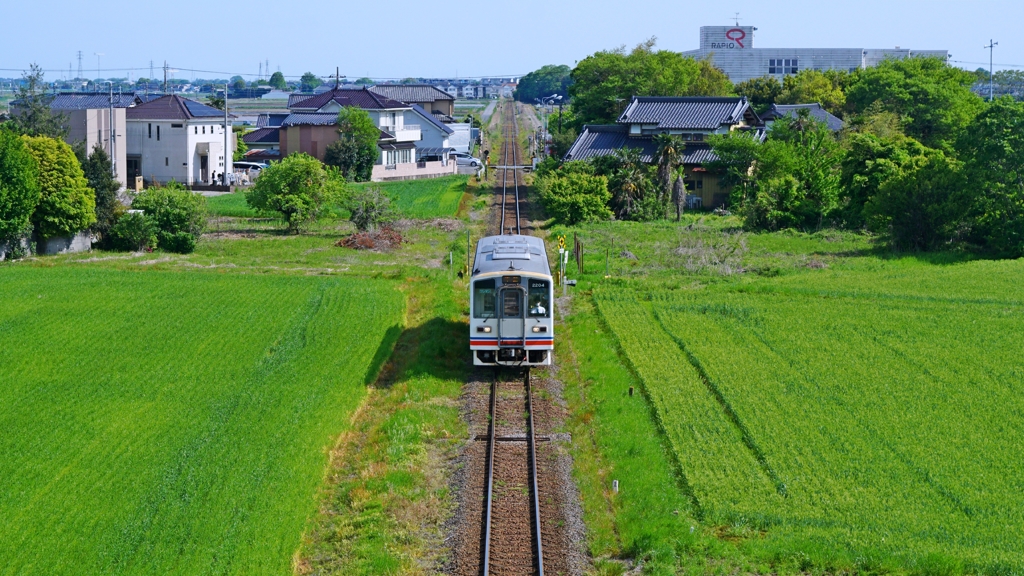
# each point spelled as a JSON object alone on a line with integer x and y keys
{"x": 173, "y": 138}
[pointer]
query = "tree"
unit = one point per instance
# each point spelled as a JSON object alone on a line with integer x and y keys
{"x": 547, "y": 81}
{"x": 277, "y": 81}
{"x": 19, "y": 187}
{"x": 790, "y": 181}
{"x": 239, "y": 85}
{"x": 32, "y": 115}
{"x": 634, "y": 195}
{"x": 364, "y": 81}
{"x": 355, "y": 151}
{"x": 133, "y": 232}
{"x": 923, "y": 206}
{"x": 710, "y": 81}
{"x": 761, "y": 92}
{"x": 66, "y": 204}
{"x": 810, "y": 86}
{"x": 309, "y": 82}
{"x": 369, "y": 208}
{"x": 240, "y": 147}
{"x": 575, "y": 197}
{"x": 992, "y": 149}
{"x": 216, "y": 100}
{"x": 870, "y": 161}
{"x": 298, "y": 187}
{"x": 178, "y": 213}
{"x": 933, "y": 99}
{"x": 668, "y": 158}
{"x": 96, "y": 167}
{"x": 604, "y": 82}
{"x": 410, "y": 81}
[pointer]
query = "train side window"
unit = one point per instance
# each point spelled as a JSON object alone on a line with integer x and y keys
{"x": 483, "y": 298}
{"x": 511, "y": 304}
{"x": 540, "y": 299}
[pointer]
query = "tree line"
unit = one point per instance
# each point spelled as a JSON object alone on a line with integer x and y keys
{"x": 923, "y": 161}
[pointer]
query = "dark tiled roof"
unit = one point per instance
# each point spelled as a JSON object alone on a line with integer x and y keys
{"x": 442, "y": 117}
{"x": 411, "y": 93}
{"x": 298, "y": 97}
{"x": 310, "y": 119}
{"x": 604, "y": 140}
{"x": 685, "y": 113}
{"x": 91, "y": 100}
{"x": 172, "y": 107}
{"x": 267, "y": 120}
{"x": 359, "y": 98}
{"x": 816, "y": 111}
{"x": 143, "y": 97}
{"x": 262, "y": 154}
{"x": 430, "y": 118}
{"x": 263, "y": 136}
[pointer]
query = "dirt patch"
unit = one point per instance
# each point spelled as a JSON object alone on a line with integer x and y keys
{"x": 384, "y": 240}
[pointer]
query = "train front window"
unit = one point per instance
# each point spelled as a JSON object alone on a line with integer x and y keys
{"x": 540, "y": 299}
{"x": 511, "y": 304}
{"x": 483, "y": 299}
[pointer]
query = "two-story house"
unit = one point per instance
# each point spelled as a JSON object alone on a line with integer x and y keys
{"x": 430, "y": 98}
{"x": 173, "y": 138}
{"x": 693, "y": 119}
{"x": 312, "y": 127}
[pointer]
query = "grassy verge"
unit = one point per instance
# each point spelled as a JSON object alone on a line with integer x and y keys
{"x": 386, "y": 496}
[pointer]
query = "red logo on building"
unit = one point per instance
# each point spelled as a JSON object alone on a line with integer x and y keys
{"x": 736, "y": 35}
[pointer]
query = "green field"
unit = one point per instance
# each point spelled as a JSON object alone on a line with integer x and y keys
{"x": 427, "y": 198}
{"x": 175, "y": 422}
{"x": 864, "y": 418}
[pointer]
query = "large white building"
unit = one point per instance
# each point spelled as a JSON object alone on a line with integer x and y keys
{"x": 731, "y": 48}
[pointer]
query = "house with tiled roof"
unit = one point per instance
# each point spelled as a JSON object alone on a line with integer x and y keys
{"x": 429, "y": 97}
{"x": 312, "y": 126}
{"x": 174, "y": 138}
{"x": 693, "y": 119}
{"x": 815, "y": 111}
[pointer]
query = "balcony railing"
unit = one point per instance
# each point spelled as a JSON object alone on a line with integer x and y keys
{"x": 393, "y": 129}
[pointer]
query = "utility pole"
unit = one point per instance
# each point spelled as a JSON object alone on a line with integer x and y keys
{"x": 227, "y": 140}
{"x": 98, "y": 55}
{"x": 110, "y": 119}
{"x": 165, "y": 81}
{"x": 991, "y": 48}
{"x": 79, "y": 65}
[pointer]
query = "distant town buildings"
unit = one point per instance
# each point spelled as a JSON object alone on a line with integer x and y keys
{"x": 731, "y": 49}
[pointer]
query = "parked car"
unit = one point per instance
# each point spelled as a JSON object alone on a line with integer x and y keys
{"x": 466, "y": 159}
{"x": 253, "y": 168}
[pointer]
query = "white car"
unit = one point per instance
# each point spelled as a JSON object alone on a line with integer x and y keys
{"x": 466, "y": 159}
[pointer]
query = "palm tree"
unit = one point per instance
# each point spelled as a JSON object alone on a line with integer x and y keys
{"x": 669, "y": 157}
{"x": 679, "y": 194}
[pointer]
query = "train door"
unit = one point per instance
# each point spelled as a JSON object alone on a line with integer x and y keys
{"x": 511, "y": 319}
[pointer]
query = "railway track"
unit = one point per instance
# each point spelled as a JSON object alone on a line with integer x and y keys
{"x": 511, "y": 541}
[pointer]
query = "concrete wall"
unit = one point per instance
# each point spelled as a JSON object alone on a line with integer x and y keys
{"x": 461, "y": 138}
{"x": 5, "y": 248}
{"x": 413, "y": 171}
{"x": 81, "y": 242}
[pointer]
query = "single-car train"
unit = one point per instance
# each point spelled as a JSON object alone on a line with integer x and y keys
{"x": 511, "y": 292}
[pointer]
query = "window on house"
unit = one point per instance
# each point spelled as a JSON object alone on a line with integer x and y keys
{"x": 686, "y": 137}
{"x": 204, "y": 129}
{"x": 176, "y": 125}
{"x": 196, "y": 128}
{"x": 698, "y": 137}
{"x": 150, "y": 130}
{"x": 700, "y": 184}
{"x": 157, "y": 131}
{"x": 167, "y": 161}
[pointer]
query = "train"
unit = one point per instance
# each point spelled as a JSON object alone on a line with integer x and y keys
{"x": 511, "y": 294}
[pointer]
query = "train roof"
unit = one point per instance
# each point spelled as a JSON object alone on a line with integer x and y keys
{"x": 510, "y": 252}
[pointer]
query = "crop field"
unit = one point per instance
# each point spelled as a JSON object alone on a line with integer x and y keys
{"x": 864, "y": 419}
{"x": 175, "y": 422}
{"x": 428, "y": 198}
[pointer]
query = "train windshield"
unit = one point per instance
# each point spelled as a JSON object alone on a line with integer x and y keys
{"x": 483, "y": 299}
{"x": 540, "y": 299}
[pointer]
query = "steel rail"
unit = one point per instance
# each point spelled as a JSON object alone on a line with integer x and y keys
{"x": 490, "y": 475}
{"x": 533, "y": 475}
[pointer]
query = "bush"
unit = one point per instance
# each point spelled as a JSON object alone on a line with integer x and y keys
{"x": 176, "y": 212}
{"x": 66, "y": 204}
{"x": 370, "y": 207}
{"x": 19, "y": 187}
{"x": 133, "y": 232}
{"x": 575, "y": 197}
{"x": 298, "y": 187}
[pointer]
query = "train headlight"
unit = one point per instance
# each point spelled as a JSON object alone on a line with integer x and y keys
{"x": 485, "y": 329}
{"x": 540, "y": 328}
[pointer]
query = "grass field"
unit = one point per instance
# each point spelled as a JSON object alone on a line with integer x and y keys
{"x": 175, "y": 422}
{"x": 428, "y": 198}
{"x": 827, "y": 407}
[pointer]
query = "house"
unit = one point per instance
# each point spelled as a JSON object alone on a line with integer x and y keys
{"x": 430, "y": 98}
{"x": 815, "y": 110}
{"x": 90, "y": 117}
{"x": 508, "y": 88}
{"x": 452, "y": 90}
{"x": 471, "y": 91}
{"x": 266, "y": 135}
{"x": 173, "y": 138}
{"x": 312, "y": 127}
{"x": 691, "y": 118}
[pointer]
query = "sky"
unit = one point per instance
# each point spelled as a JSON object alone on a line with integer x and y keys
{"x": 398, "y": 39}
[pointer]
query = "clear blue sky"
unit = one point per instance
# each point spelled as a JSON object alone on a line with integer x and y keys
{"x": 397, "y": 39}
